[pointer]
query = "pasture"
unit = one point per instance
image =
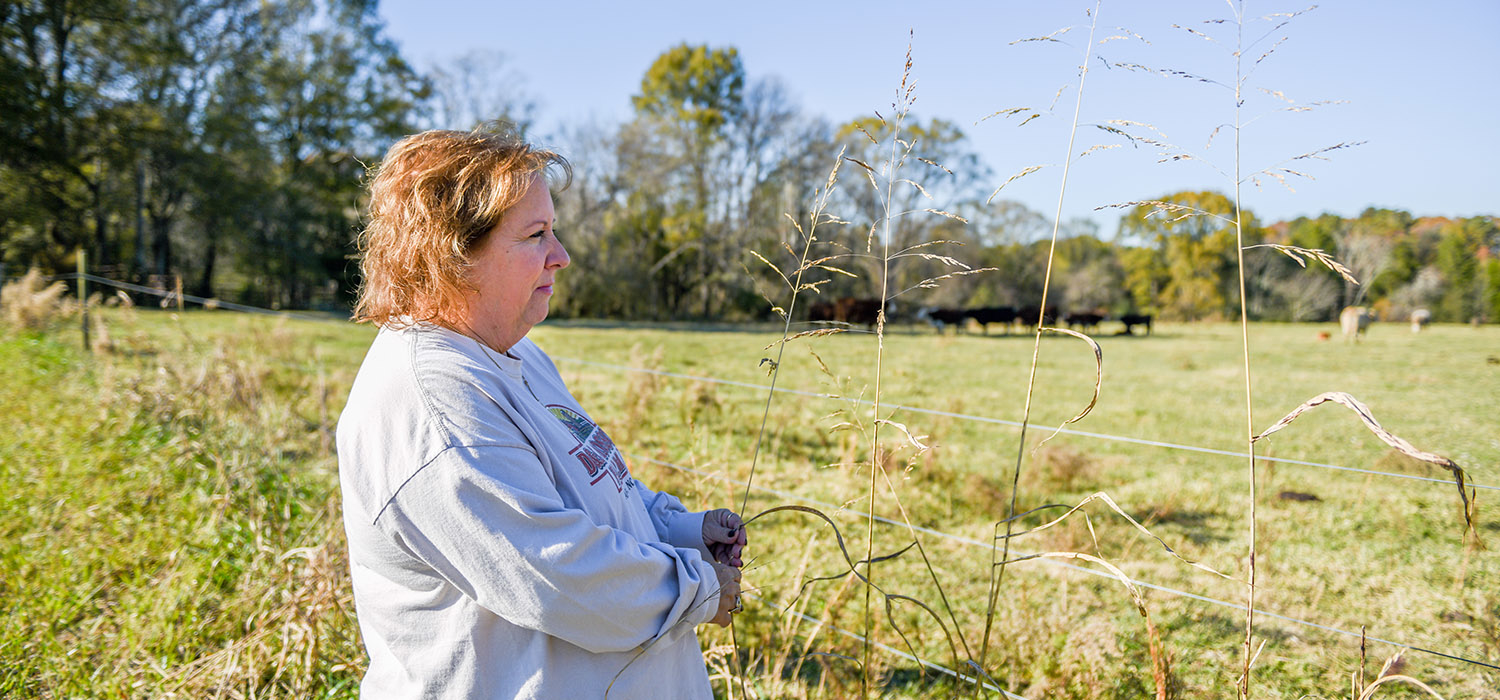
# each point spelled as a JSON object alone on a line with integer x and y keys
{"x": 171, "y": 523}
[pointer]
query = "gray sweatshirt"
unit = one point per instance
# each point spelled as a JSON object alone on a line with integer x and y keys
{"x": 500, "y": 547}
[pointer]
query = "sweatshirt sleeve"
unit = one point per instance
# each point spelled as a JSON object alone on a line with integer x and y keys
{"x": 491, "y": 522}
{"x": 674, "y": 523}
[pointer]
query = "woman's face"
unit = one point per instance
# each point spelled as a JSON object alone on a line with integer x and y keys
{"x": 513, "y": 269}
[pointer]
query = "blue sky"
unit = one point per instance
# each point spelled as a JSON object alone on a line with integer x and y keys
{"x": 1418, "y": 81}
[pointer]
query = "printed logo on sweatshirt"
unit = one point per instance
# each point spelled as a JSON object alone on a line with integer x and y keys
{"x": 595, "y": 451}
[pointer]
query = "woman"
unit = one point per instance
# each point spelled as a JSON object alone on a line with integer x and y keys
{"x": 500, "y": 546}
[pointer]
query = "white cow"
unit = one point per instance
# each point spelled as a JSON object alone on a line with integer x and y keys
{"x": 1419, "y": 319}
{"x": 1353, "y": 320}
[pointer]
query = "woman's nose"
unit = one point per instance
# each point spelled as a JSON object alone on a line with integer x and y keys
{"x": 558, "y": 257}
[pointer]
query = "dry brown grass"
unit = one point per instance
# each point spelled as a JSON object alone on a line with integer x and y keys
{"x": 1059, "y": 467}
{"x": 641, "y": 390}
{"x": 31, "y": 304}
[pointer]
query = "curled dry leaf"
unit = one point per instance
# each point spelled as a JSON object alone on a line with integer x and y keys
{"x": 1098, "y": 381}
{"x": 839, "y": 538}
{"x": 1135, "y": 593}
{"x": 1107, "y": 500}
{"x": 1400, "y": 445}
{"x": 890, "y": 614}
{"x": 915, "y": 440}
{"x": 1370, "y": 689}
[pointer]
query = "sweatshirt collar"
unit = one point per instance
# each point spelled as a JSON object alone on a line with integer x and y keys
{"x": 509, "y": 364}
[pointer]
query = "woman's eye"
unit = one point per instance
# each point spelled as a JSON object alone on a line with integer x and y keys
{"x": 539, "y": 234}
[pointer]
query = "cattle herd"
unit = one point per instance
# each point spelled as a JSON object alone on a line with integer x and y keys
{"x": 864, "y": 312}
{"x": 854, "y": 311}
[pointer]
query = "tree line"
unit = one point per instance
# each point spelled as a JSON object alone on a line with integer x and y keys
{"x": 226, "y": 142}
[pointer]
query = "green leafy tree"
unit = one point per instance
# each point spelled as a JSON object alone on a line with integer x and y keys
{"x": 1459, "y": 261}
{"x": 1145, "y": 276}
{"x": 59, "y": 75}
{"x": 1194, "y": 234}
{"x": 690, "y": 100}
{"x": 1492, "y": 288}
{"x": 1091, "y": 274}
{"x": 223, "y": 132}
{"x": 696, "y": 86}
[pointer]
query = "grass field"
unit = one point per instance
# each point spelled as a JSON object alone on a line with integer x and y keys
{"x": 171, "y": 526}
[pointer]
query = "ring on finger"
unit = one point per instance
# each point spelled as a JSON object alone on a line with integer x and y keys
{"x": 738, "y": 605}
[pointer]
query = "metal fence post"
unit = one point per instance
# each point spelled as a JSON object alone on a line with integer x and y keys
{"x": 83, "y": 295}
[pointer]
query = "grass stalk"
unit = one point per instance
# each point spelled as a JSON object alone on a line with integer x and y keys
{"x": 885, "y": 268}
{"x": 809, "y": 237}
{"x": 1239, "y": 237}
{"x": 997, "y": 579}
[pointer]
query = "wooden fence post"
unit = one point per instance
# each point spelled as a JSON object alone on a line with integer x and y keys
{"x": 83, "y": 295}
{"x": 178, "y": 291}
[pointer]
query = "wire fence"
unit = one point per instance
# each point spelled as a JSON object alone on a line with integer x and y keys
{"x": 214, "y": 303}
{"x": 171, "y": 295}
{"x": 1239, "y": 607}
{"x": 1017, "y": 424}
{"x": 895, "y": 652}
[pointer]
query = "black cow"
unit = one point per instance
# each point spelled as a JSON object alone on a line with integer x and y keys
{"x": 1083, "y": 320}
{"x": 820, "y": 311}
{"x": 941, "y": 318}
{"x": 985, "y": 315}
{"x": 1133, "y": 320}
{"x": 859, "y": 312}
{"x": 1027, "y": 315}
